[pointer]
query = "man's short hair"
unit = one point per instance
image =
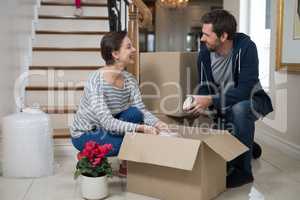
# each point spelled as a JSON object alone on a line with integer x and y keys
{"x": 222, "y": 21}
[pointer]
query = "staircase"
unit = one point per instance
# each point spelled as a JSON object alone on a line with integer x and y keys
{"x": 65, "y": 50}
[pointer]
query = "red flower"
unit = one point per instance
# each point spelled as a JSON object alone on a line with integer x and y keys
{"x": 79, "y": 156}
{"x": 96, "y": 162}
{"x": 83, "y": 153}
{"x": 105, "y": 149}
{"x": 90, "y": 145}
{"x": 94, "y": 152}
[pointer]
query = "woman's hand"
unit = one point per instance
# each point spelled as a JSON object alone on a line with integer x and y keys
{"x": 147, "y": 129}
{"x": 162, "y": 126}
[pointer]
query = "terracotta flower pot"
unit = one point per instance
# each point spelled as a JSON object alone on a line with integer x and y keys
{"x": 93, "y": 188}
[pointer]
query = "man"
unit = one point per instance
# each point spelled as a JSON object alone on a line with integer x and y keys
{"x": 229, "y": 84}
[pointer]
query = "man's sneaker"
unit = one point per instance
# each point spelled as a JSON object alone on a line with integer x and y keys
{"x": 238, "y": 178}
{"x": 256, "y": 150}
{"x": 122, "y": 171}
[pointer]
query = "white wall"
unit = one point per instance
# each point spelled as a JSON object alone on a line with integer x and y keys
{"x": 15, "y": 20}
{"x": 261, "y": 36}
{"x": 283, "y": 126}
{"x": 233, "y": 6}
{"x": 172, "y": 26}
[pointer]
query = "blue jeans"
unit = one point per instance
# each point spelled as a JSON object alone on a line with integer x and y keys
{"x": 102, "y": 136}
{"x": 240, "y": 122}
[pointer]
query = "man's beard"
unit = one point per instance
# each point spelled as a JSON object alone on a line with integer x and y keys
{"x": 211, "y": 49}
{"x": 215, "y": 47}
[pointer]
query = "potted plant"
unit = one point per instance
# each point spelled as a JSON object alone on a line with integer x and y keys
{"x": 94, "y": 168}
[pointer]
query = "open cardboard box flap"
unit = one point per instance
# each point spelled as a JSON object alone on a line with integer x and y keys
{"x": 179, "y": 152}
{"x": 172, "y": 152}
{"x": 226, "y": 145}
{"x": 220, "y": 141}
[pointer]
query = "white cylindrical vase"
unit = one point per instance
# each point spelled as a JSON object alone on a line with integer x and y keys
{"x": 93, "y": 188}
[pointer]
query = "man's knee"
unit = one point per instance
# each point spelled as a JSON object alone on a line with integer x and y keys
{"x": 241, "y": 109}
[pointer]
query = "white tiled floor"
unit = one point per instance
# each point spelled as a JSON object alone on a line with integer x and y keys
{"x": 277, "y": 177}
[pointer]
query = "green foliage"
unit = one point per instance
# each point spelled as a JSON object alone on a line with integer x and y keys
{"x": 85, "y": 168}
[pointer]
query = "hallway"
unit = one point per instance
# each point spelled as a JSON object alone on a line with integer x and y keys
{"x": 277, "y": 177}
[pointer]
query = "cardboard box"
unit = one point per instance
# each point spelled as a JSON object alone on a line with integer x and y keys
{"x": 192, "y": 166}
{"x": 166, "y": 78}
{"x": 187, "y": 120}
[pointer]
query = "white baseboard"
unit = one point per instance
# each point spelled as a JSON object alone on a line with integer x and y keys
{"x": 64, "y": 148}
{"x": 287, "y": 147}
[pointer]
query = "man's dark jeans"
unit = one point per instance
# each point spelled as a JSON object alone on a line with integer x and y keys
{"x": 239, "y": 120}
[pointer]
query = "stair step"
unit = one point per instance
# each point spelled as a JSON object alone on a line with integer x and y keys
{"x": 69, "y": 10}
{"x": 72, "y": 1}
{"x": 68, "y": 58}
{"x": 55, "y": 88}
{"x": 84, "y": 4}
{"x": 72, "y": 25}
{"x": 67, "y": 41}
{"x": 61, "y": 121}
{"x": 58, "y": 78}
{"x": 63, "y": 32}
{"x": 59, "y": 110}
{"x": 65, "y": 49}
{"x": 72, "y": 17}
{"x": 61, "y": 133}
{"x": 79, "y": 68}
{"x": 58, "y": 99}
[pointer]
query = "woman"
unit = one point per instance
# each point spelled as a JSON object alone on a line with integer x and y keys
{"x": 111, "y": 104}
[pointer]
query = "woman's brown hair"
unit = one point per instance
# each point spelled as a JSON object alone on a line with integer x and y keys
{"x": 111, "y": 42}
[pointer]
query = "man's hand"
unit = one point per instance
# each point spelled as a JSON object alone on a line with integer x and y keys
{"x": 200, "y": 103}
